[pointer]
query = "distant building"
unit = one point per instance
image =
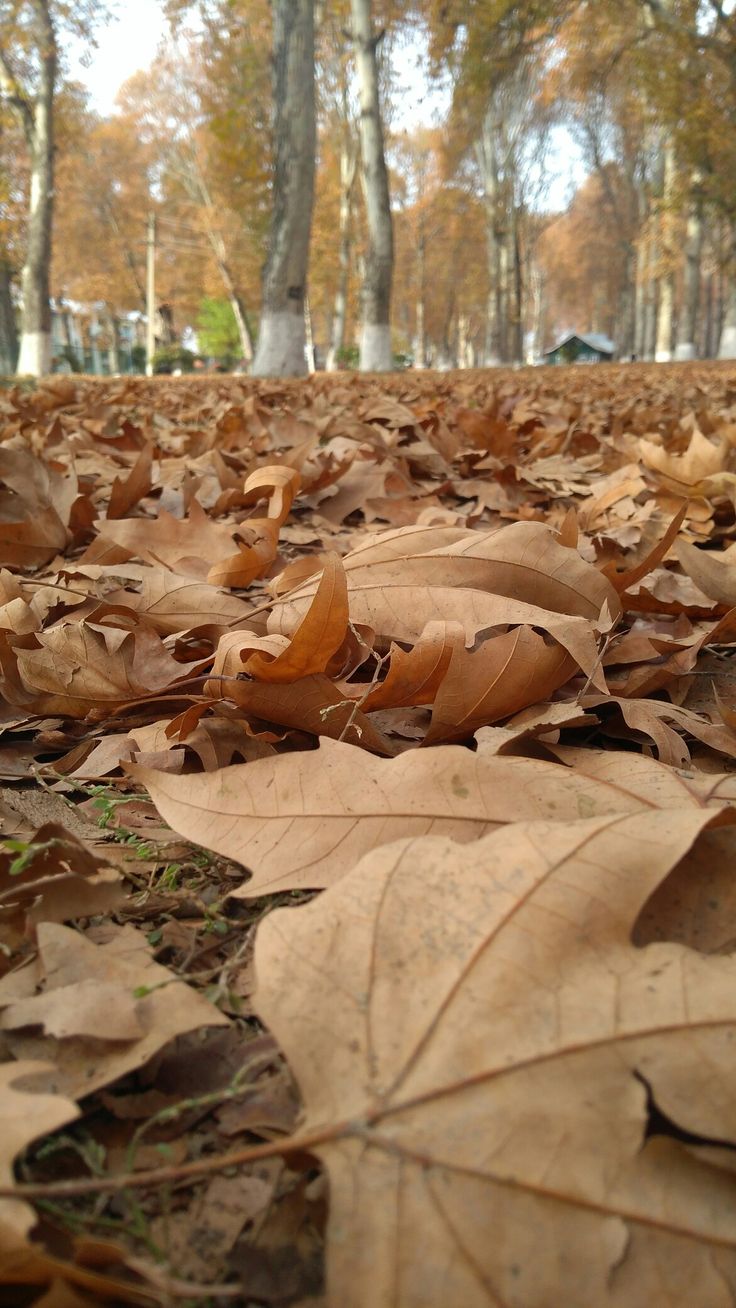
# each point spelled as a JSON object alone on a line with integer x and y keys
{"x": 588, "y": 347}
{"x": 87, "y": 338}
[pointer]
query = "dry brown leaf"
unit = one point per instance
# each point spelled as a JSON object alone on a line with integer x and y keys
{"x": 313, "y": 704}
{"x": 186, "y": 545}
{"x": 253, "y": 557}
{"x": 98, "y": 1010}
{"x": 82, "y": 667}
{"x": 414, "y": 676}
{"x": 26, "y": 1116}
{"x": 475, "y": 1035}
{"x": 683, "y": 471}
{"x": 714, "y": 574}
{"x": 482, "y": 581}
{"x": 35, "y": 506}
{"x": 546, "y": 721}
{"x": 164, "y": 1007}
{"x": 170, "y": 603}
{"x": 317, "y": 638}
{"x": 125, "y": 494}
{"x": 652, "y": 717}
{"x": 303, "y": 820}
{"x": 504, "y": 675}
{"x": 56, "y": 878}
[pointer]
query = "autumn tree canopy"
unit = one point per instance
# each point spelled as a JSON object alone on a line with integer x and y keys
{"x": 484, "y": 256}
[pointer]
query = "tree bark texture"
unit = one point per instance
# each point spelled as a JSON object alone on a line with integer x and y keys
{"x": 420, "y": 335}
{"x": 487, "y": 157}
{"x": 36, "y": 112}
{"x": 281, "y": 338}
{"x": 8, "y": 329}
{"x": 666, "y": 280}
{"x": 375, "y": 345}
{"x": 649, "y": 308}
{"x": 348, "y": 171}
{"x": 727, "y": 343}
{"x": 515, "y": 346}
{"x": 625, "y": 331}
{"x": 688, "y": 325}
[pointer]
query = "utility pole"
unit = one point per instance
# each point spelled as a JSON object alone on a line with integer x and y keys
{"x": 150, "y": 293}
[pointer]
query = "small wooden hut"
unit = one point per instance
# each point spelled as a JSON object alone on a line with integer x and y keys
{"x": 587, "y": 347}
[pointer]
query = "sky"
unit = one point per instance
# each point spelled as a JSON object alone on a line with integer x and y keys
{"x": 124, "y": 46}
{"x": 130, "y": 43}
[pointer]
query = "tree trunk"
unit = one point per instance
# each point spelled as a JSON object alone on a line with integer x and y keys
{"x": 494, "y": 304}
{"x": 486, "y": 156}
{"x": 640, "y": 293}
{"x": 727, "y": 343}
{"x": 420, "y": 338}
{"x": 709, "y": 319}
{"x": 649, "y": 325}
{"x": 348, "y": 171}
{"x": 8, "y": 329}
{"x": 375, "y": 344}
{"x": 234, "y": 298}
{"x": 309, "y": 350}
{"x": 113, "y": 342}
{"x": 666, "y": 310}
{"x": 281, "y": 338}
{"x": 539, "y": 313}
{"x": 515, "y": 347}
{"x": 37, "y": 115}
{"x": 625, "y": 329}
{"x": 688, "y": 325}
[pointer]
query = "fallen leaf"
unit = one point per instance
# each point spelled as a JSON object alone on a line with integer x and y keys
{"x": 303, "y": 820}
{"x": 489, "y": 1069}
{"x": 505, "y": 674}
{"x": 159, "y": 1005}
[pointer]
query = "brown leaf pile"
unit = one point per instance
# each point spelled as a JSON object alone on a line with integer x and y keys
{"x": 457, "y": 650}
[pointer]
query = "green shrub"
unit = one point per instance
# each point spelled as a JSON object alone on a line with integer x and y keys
{"x": 217, "y": 330}
{"x": 138, "y": 358}
{"x": 348, "y": 356}
{"x": 171, "y": 357}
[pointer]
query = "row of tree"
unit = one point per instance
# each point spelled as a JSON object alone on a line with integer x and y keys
{"x": 266, "y": 148}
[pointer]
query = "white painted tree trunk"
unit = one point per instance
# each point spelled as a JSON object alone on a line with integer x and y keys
{"x": 37, "y": 116}
{"x": 281, "y": 338}
{"x": 666, "y": 309}
{"x": 688, "y": 325}
{"x": 420, "y": 334}
{"x": 375, "y": 344}
{"x": 113, "y": 341}
{"x": 649, "y": 324}
{"x": 727, "y": 344}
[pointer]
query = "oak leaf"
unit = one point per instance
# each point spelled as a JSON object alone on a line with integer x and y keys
{"x": 477, "y": 1042}
{"x": 80, "y": 667}
{"x": 714, "y": 574}
{"x": 151, "y": 1003}
{"x": 303, "y": 819}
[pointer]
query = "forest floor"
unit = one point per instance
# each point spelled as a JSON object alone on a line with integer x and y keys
{"x": 457, "y": 651}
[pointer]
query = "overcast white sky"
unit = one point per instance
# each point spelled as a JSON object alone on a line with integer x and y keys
{"x": 127, "y": 44}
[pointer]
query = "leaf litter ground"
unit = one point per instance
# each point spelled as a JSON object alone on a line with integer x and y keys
{"x": 455, "y": 650}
